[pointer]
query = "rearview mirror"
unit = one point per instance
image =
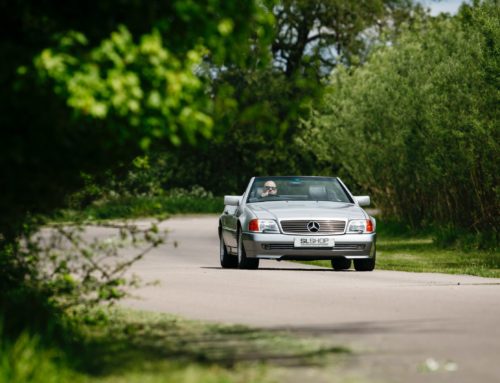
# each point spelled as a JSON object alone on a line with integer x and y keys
{"x": 362, "y": 200}
{"x": 232, "y": 200}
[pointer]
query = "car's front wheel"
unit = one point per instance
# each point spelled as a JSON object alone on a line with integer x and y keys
{"x": 243, "y": 261}
{"x": 341, "y": 263}
{"x": 227, "y": 260}
{"x": 364, "y": 264}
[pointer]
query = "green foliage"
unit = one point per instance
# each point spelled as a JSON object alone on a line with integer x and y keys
{"x": 314, "y": 36}
{"x": 177, "y": 201}
{"x": 85, "y": 90}
{"x": 263, "y": 100}
{"x": 140, "y": 190}
{"x": 453, "y": 237}
{"x": 146, "y": 176}
{"x": 417, "y": 126}
{"x": 130, "y": 84}
{"x": 87, "y": 87}
{"x": 25, "y": 361}
{"x": 60, "y": 276}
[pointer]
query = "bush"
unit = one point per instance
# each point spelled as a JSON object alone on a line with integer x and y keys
{"x": 51, "y": 278}
{"x": 116, "y": 206}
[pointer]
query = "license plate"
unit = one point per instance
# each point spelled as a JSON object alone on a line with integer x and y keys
{"x": 314, "y": 242}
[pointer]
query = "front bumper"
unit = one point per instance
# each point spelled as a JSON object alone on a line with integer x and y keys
{"x": 281, "y": 247}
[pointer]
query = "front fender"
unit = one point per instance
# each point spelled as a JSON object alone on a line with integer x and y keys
{"x": 245, "y": 217}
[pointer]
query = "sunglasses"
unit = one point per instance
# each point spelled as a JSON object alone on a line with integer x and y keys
{"x": 270, "y": 187}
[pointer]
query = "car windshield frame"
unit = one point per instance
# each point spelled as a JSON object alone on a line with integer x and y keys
{"x": 336, "y": 193}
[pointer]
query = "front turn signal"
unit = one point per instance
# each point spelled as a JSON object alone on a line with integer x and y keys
{"x": 263, "y": 226}
{"x": 253, "y": 225}
{"x": 369, "y": 226}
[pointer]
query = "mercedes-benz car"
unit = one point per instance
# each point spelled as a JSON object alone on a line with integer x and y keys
{"x": 297, "y": 218}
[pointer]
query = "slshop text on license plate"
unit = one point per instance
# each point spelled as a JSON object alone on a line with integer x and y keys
{"x": 314, "y": 242}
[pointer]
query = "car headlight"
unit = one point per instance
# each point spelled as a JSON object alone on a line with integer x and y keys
{"x": 263, "y": 226}
{"x": 360, "y": 226}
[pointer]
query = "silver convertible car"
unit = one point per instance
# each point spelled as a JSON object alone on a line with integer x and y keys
{"x": 297, "y": 218}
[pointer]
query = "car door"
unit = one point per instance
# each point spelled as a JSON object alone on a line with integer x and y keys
{"x": 228, "y": 231}
{"x": 232, "y": 215}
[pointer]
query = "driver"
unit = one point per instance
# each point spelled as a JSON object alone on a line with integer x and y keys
{"x": 270, "y": 189}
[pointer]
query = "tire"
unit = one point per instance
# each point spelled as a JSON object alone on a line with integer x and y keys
{"x": 365, "y": 264}
{"x": 341, "y": 263}
{"x": 243, "y": 261}
{"x": 369, "y": 263}
{"x": 227, "y": 261}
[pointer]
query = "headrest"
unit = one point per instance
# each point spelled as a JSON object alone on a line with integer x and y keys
{"x": 317, "y": 192}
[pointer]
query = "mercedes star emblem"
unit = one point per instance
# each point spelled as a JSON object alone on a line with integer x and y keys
{"x": 313, "y": 226}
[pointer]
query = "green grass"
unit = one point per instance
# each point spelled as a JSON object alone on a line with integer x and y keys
{"x": 401, "y": 248}
{"x": 404, "y": 249}
{"x": 138, "y": 207}
{"x": 418, "y": 253}
{"x": 422, "y": 255}
{"x": 132, "y": 346}
{"x": 25, "y": 361}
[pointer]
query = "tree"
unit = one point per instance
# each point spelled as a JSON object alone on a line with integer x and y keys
{"x": 417, "y": 125}
{"x": 314, "y": 36}
{"x": 88, "y": 84}
{"x": 276, "y": 87}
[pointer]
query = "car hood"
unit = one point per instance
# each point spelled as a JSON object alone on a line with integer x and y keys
{"x": 306, "y": 210}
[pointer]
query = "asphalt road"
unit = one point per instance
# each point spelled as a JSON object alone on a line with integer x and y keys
{"x": 402, "y": 327}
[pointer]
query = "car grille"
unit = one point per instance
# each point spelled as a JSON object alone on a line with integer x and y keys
{"x": 290, "y": 246}
{"x": 325, "y": 226}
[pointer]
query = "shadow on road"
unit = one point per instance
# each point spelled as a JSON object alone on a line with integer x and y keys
{"x": 371, "y": 327}
{"x": 133, "y": 342}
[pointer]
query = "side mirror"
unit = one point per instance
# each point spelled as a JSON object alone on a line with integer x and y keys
{"x": 362, "y": 200}
{"x": 232, "y": 200}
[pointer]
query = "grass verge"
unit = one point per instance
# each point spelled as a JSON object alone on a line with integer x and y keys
{"x": 132, "y": 346}
{"x": 418, "y": 252}
{"x": 422, "y": 255}
{"x": 400, "y": 248}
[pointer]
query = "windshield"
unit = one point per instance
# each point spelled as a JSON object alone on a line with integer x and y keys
{"x": 297, "y": 189}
